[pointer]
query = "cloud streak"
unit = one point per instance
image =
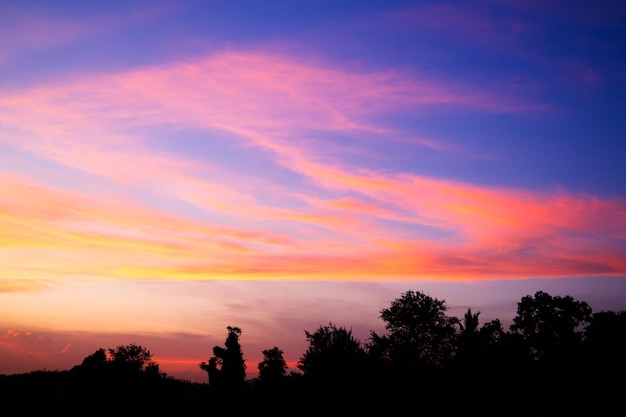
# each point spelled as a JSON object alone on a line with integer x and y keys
{"x": 380, "y": 224}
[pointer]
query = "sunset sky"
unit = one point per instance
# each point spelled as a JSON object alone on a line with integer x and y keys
{"x": 168, "y": 169}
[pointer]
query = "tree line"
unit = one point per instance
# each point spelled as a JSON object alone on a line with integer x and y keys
{"x": 548, "y": 333}
{"x": 557, "y": 357}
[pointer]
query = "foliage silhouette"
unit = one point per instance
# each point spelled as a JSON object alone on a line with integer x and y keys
{"x": 96, "y": 361}
{"x": 273, "y": 368}
{"x": 605, "y": 354}
{"x": 469, "y": 343}
{"x": 558, "y": 358}
{"x": 133, "y": 358}
{"x": 333, "y": 355}
{"x": 421, "y": 336}
{"x": 227, "y": 368}
{"x": 469, "y": 325}
{"x": 605, "y": 338}
{"x": 551, "y": 326}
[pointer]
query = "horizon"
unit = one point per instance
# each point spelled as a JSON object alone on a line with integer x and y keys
{"x": 170, "y": 170}
{"x": 179, "y": 354}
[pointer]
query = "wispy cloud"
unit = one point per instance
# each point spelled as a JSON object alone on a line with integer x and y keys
{"x": 37, "y": 29}
{"x": 18, "y": 285}
{"x": 380, "y": 224}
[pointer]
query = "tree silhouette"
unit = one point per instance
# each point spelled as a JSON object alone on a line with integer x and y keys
{"x": 273, "y": 368}
{"x": 501, "y": 351}
{"x": 469, "y": 325}
{"x": 421, "y": 335}
{"x": 488, "y": 359}
{"x": 133, "y": 358}
{"x": 605, "y": 342}
{"x": 552, "y": 332}
{"x": 96, "y": 361}
{"x": 227, "y": 368}
{"x": 606, "y": 334}
{"x": 605, "y": 359}
{"x": 469, "y": 343}
{"x": 333, "y": 355}
{"x": 443, "y": 365}
{"x": 551, "y": 326}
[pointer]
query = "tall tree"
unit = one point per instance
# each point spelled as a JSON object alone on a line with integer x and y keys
{"x": 421, "y": 335}
{"x": 227, "y": 367}
{"x": 469, "y": 341}
{"x": 551, "y": 326}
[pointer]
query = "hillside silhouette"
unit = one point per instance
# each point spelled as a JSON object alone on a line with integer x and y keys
{"x": 557, "y": 358}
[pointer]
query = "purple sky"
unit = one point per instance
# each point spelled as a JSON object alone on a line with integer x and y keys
{"x": 168, "y": 170}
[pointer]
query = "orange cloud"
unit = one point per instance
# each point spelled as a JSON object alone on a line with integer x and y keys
{"x": 76, "y": 234}
{"x": 15, "y": 285}
{"x": 487, "y": 233}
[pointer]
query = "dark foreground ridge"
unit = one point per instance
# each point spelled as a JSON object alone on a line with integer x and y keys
{"x": 558, "y": 358}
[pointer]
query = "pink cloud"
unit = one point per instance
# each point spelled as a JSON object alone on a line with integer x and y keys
{"x": 492, "y": 232}
{"x": 263, "y": 99}
{"x": 268, "y": 102}
{"x": 100, "y": 235}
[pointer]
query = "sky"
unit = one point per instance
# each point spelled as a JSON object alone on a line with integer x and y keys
{"x": 168, "y": 169}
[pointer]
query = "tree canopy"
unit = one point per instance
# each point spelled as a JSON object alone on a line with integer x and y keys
{"x": 227, "y": 367}
{"x": 552, "y": 326}
{"x": 273, "y": 368}
{"x": 133, "y": 357}
{"x": 333, "y": 354}
{"x": 421, "y": 334}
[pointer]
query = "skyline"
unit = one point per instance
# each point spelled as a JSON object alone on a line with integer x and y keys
{"x": 202, "y": 162}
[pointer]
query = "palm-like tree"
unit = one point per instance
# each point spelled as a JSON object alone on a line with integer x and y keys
{"x": 469, "y": 325}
